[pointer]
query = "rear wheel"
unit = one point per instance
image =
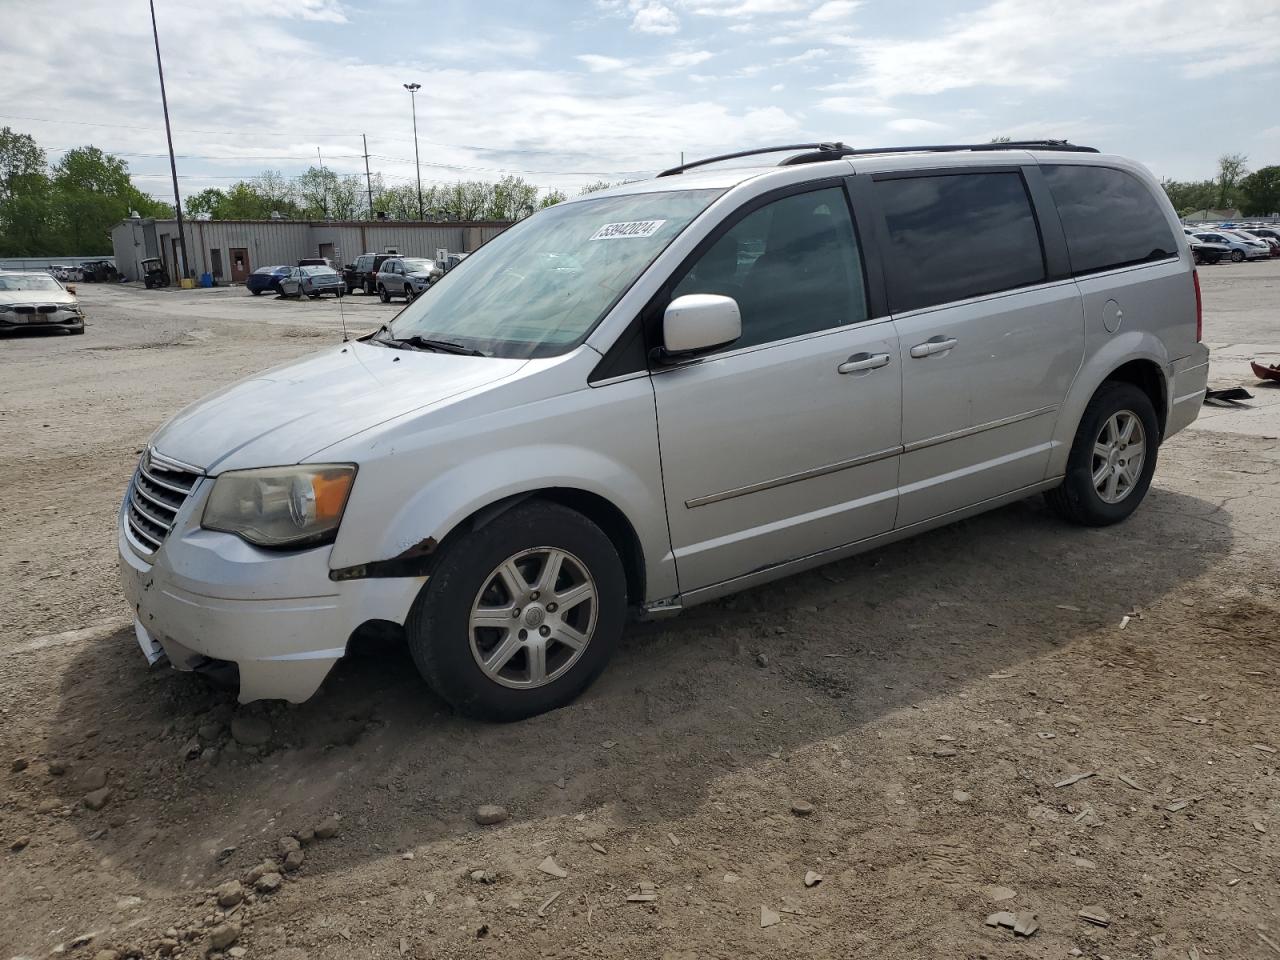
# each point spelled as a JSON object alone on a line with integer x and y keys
{"x": 1112, "y": 459}
{"x": 521, "y": 615}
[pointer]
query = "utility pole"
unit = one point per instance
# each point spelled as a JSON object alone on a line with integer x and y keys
{"x": 324, "y": 188}
{"x": 413, "y": 89}
{"x": 368, "y": 178}
{"x": 173, "y": 163}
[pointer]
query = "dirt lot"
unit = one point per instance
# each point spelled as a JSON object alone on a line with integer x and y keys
{"x": 930, "y": 703}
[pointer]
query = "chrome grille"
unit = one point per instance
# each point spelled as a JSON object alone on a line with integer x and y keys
{"x": 159, "y": 489}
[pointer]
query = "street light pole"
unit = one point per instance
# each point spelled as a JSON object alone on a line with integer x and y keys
{"x": 173, "y": 164}
{"x": 413, "y": 89}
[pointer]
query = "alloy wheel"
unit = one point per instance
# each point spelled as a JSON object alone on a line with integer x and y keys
{"x": 1119, "y": 452}
{"x": 533, "y": 617}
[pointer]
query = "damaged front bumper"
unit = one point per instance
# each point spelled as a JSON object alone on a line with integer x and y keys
{"x": 206, "y": 597}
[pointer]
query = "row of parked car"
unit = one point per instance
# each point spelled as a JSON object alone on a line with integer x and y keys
{"x": 1233, "y": 242}
{"x": 91, "y": 271}
{"x": 389, "y": 275}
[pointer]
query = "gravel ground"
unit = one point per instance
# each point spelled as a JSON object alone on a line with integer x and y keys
{"x": 866, "y": 760}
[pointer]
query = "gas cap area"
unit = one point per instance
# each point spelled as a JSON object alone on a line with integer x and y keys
{"x": 1112, "y": 316}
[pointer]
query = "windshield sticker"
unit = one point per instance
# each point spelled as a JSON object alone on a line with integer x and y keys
{"x": 632, "y": 229}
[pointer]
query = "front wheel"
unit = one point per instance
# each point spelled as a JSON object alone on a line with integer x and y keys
{"x": 520, "y": 615}
{"x": 1112, "y": 459}
{"x": 1237, "y": 256}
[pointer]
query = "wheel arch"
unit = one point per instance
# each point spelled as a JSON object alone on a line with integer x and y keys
{"x": 1138, "y": 358}
{"x": 421, "y": 560}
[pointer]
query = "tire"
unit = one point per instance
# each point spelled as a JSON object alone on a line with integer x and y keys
{"x": 1078, "y": 499}
{"x": 256, "y": 293}
{"x": 383, "y": 295}
{"x": 408, "y": 294}
{"x": 351, "y": 288}
{"x": 75, "y": 331}
{"x": 1237, "y": 256}
{"x": 445, "y": 647}
{"x": 368, "y": 289}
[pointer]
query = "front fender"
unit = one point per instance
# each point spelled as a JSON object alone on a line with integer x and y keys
{"x": 428, "y": 479}
{"x": 1118, "y": 350}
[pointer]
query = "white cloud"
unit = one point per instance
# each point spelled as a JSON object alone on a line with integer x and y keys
{"x": 655, "y": 18}
{"x": 915, "y": 125}
{"x": 857, "y": 106}
{"x": 597, "y": 63}
{"x": 1031, "y": 45}
{"x": 834, "y": 10}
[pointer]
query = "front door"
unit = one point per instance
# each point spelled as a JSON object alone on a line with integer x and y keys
{"x": 990, "y": 343}
{"x": 239, "y": 264}
{"x": 784, "y": 443}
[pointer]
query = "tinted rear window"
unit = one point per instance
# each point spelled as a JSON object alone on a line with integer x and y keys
{"x": 961, "y": 235}
{"x": 1109, "y": 216}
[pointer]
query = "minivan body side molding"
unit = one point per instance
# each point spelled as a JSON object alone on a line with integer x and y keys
{"x": 794, "y": 477}
{"x": 788, "y": 567}
{"x": 979, "y": 428}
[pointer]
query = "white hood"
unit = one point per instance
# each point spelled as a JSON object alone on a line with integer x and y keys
{"x": 285, "y": 415}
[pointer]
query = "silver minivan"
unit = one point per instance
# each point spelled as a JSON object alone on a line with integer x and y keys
{"x": 657, "y": 395}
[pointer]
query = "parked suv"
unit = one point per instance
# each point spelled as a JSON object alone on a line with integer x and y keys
{"x": 656, "y": 395}
{"x": 363, "y": 274}
{"x": 405, "y": 277}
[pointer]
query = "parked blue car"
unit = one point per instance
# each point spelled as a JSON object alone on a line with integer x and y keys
{"x": 266, "y": 278}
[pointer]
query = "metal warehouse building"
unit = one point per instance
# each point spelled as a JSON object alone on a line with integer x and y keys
{"x": 232, "y": 249}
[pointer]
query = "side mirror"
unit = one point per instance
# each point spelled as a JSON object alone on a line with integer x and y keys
{"x": 71, "y": 288}
{"x": 698, "y": 322}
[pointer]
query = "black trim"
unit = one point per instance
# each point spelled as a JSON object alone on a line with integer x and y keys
{"x": 867, "y": 222}
{"x": 651, "y": 315}
{"x": 1053, "y": 239}
{"x": 626, "y": 356}
{"x": 898, "y": 272}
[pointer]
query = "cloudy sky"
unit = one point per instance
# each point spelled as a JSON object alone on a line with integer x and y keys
{"x": 564, "y": 93}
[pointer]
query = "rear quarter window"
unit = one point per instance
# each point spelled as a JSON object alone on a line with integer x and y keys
{"x": 956, "y": 236}
{"x": 1109, "y": 217}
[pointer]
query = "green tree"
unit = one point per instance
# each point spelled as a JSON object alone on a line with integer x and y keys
{"x": 1231, "y": 170}
{"x": 1260, "y": 192}
{"x": 552, "y": 198}
{"x": 1187, "y": 197}
{"x": 205, "y": 203}
{"x": 92, "y": 193}
{"x": 26, "y": 197}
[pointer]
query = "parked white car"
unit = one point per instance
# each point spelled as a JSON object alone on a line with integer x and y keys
{"x": 653, "y": 396}
{"x": 37, "y": 300}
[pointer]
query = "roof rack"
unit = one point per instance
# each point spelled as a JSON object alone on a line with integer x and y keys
{"x": 819, "y": 152}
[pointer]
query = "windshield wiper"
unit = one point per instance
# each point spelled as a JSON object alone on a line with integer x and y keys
{"x": 422, "y": 343}
{"x": 440, "y": 346}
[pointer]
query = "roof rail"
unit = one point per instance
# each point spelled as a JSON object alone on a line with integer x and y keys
{"x": 827, "y": 151}
{"x": 835, "y": 150}
{"x": 1063, "y": 145}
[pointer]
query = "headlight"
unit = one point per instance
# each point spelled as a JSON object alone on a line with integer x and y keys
{"x": 281, "y": 506}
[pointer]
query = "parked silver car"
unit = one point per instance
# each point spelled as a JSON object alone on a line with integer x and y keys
{"x": 656, "y": 395}
{"x": 1240, "y": 248}
{"x": 312, "y": 281}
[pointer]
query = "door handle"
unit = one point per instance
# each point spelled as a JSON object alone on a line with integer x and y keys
{"x": 864, "y": 361}
{"x": 933, "y": 345}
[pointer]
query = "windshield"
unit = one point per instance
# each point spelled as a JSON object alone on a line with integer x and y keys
{"x": 539, "y": 288}
{"x": 417, "y": 265}
{"x": 33, "y": 282}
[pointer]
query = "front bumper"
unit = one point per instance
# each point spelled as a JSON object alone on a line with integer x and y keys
{"x": 41, "y": 321}
{"x": 207, "y": 596}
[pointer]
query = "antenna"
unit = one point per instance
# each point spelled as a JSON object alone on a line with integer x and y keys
{"x": 342, "y": 295}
